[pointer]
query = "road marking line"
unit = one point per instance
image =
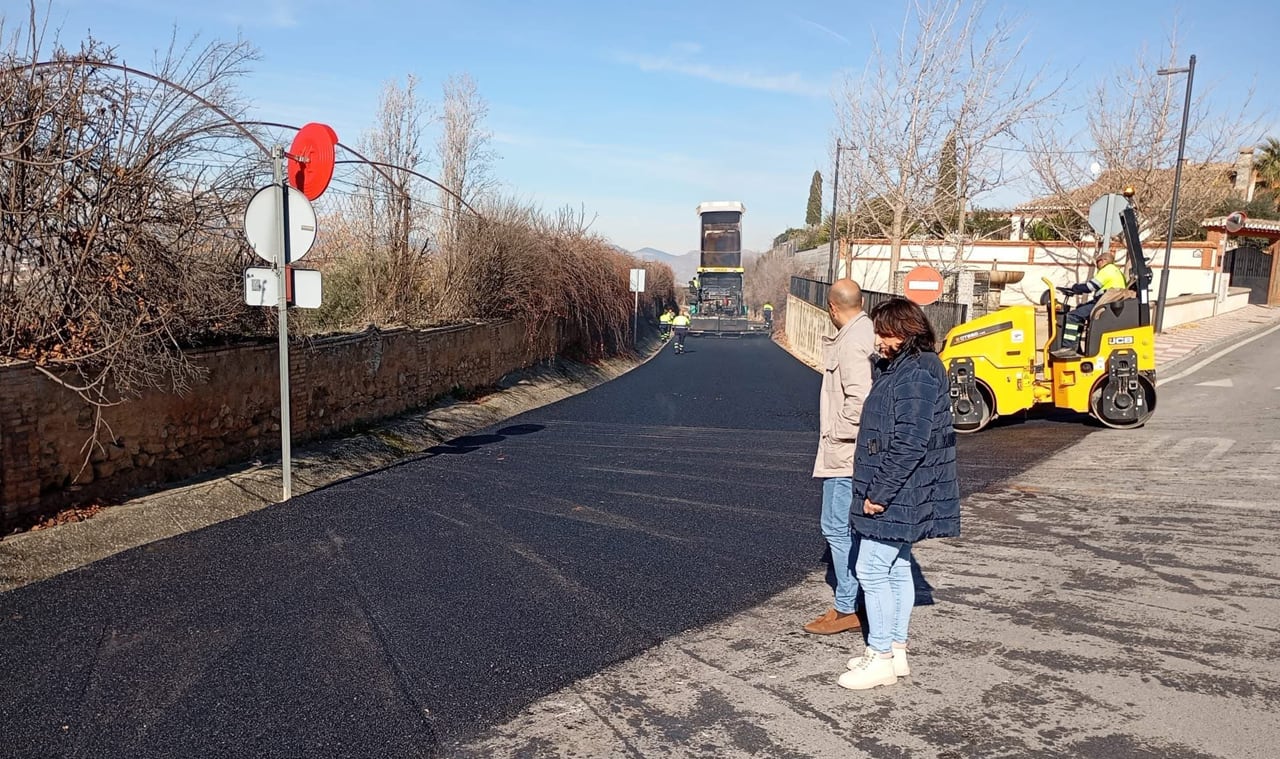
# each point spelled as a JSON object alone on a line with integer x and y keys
{"x": 1216, "y": 383}
{"x": 1202, "y": 364}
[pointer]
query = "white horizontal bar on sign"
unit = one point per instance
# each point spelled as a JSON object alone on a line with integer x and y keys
{"x": 924, "y": 285}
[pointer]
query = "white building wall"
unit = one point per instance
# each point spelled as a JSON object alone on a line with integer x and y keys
{"x": 1061, "y": 264}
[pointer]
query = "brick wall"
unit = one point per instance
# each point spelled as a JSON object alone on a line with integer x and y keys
{"x": 233, "y": 414}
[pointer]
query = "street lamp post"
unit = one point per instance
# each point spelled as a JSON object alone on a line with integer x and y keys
{"x": 835, "y": 196}
{"x": 1190, "y": 71}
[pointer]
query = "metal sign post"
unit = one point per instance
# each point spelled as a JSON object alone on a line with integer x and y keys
{"x": 835, "y": 195}
{"x": 637, "y": 287}
{"x": 282, "y": 264}
{"x": 267, "y": 225}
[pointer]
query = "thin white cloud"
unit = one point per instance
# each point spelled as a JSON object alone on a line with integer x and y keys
{"x": 819, "y": 27}
{"x": 791, "y": 84}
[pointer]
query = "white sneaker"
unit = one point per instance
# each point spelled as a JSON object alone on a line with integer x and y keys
{"x": 900, "y": 666}
{"x": 869, "y": 671}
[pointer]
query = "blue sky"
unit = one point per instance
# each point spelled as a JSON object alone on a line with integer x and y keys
{"x": 638, "y": 111}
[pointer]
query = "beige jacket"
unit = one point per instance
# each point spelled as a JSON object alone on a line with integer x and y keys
{"x": 846, "y": 380}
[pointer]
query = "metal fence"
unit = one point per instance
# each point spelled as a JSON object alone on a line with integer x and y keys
{"x": 944, "y": 315}
{"x": 811, "y": 291}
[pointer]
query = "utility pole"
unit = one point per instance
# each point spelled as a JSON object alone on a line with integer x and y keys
{"x": 1190, "y": 71}
{"x": 835, "y": 195}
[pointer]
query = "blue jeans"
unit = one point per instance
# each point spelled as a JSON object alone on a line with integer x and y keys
{"x": 837, "y": 499}
{"x": 884, "y": 569}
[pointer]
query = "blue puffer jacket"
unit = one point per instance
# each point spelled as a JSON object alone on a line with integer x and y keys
{"x": 906, "y": 457}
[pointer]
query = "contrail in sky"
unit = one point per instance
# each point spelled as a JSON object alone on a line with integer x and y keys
{"x": 822, "y": 29}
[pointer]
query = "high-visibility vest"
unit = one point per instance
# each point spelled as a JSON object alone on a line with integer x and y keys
{"x": 1110, "y": 277}
{"x": 768, "y": 307}
{"x": 665, "y": 318}
{"x": 680, "y": 321}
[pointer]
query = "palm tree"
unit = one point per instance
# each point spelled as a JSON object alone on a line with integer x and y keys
{"x": 1267, "y": 162}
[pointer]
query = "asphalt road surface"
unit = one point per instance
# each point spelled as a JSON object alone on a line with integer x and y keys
{"x": 1115, "y": 601}
{"x": 398, "y": 612}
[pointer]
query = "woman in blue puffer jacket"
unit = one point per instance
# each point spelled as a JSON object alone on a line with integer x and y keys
{"x": 904, "y": 477}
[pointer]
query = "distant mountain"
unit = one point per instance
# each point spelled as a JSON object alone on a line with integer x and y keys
{"x": 684, "y": 265}
{"x": 653, "y": 254}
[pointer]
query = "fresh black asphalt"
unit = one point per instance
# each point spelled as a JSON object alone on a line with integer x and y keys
{"x": 395, "y": 613}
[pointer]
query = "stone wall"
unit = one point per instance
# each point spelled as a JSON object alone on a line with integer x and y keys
{"x": 233, "y": 414}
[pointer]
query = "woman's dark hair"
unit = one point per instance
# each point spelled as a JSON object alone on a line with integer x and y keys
{"x": 899, "y": 317}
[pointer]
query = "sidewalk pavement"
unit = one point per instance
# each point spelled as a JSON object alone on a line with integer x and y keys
{"x": 1184, "y": 341}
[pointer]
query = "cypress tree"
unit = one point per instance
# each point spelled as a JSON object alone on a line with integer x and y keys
{"x": 813, "y": 216}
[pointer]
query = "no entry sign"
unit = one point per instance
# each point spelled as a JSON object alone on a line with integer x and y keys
{"x": 923, "y": 285}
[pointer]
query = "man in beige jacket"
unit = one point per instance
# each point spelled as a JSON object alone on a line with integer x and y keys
{"x": 846, "y": 380}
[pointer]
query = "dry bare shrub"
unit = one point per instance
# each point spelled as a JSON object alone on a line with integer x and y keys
{"x": 509, "y": 262}
{"x": 122, "y": 201}
{"x": 518, "y": 263}
{"x": 769, "y": 279}
{"x": 660, "y": 288}
{"x": 397, "y": 247}
{"x": 367, "y": 278}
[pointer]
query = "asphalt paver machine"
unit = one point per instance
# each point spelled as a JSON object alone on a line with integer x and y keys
{"x": 996, "y": 368}
{"x": 716, "y": 295}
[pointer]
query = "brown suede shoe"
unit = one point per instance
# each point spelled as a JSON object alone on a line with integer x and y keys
{"x": 833, "y": 622}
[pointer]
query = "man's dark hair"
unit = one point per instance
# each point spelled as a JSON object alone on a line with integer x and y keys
{"x": 899, "y": 317}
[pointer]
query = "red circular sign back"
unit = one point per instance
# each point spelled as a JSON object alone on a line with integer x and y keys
{"x": 311, "y": 159}
{"x": 923, "y": 285}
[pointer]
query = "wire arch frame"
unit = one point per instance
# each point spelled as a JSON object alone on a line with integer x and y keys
{"x": 240, "y": 126}
{"x": 379, "y": 165}
{"x": 72, "y": 63}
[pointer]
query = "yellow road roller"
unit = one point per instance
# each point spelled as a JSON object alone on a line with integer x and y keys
{"x": 997, "y": 369}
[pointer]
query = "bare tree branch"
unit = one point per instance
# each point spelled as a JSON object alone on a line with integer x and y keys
{"x": 1132, "y": 126}
{"x": 120, "y": 202}
{"x": 465, "y": 155}
{"x": 926, "y": 120}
